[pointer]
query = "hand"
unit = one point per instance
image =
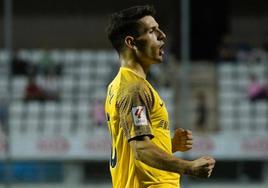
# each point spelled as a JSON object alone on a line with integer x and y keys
{"x": 182, "y": 140}
{"x": 202, "y": 167}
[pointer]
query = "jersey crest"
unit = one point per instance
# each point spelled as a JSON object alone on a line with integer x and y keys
{"x": 139, "y": 115}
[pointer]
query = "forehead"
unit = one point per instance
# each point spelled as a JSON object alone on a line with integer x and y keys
{"x": 148, "y": 22}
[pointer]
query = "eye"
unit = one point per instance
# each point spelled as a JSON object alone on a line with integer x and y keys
{"x": 151, "y": 30}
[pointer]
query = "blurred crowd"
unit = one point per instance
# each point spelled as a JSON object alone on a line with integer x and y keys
{"x": 43, "y": 78}
{"x": 256, "y": 90}
{"x": 234, "y": 52}
{"x": 3, "y": 114}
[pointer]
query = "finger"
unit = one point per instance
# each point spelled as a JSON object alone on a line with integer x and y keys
{"x": 206, "y": 165}
{"x": 189, "y": 146}
{"x": 212, "y": 162}
{"x": 188, "y": 132}
{"x": 206, "y": 173}
{"x": 208, "y": 158}
{"x": 185, "y": 137}
{"x": 210, "y": 167}
{"x": 190, "y": 138}
{"x": 209, "y": 174}
{"x": 179, "y": 131}
{"x": 189, "y": 142}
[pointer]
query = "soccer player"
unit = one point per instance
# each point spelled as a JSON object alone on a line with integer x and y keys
{"x": 137, "y": 117}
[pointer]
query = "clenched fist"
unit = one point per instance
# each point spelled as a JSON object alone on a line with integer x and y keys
{"x": 202, "y": 167}
{"x": 182, "y": 140}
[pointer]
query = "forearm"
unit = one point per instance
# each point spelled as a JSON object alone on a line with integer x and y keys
{"x": 155, "y": 157}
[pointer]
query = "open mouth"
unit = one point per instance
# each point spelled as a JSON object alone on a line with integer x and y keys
{"x": 161, "y": 50}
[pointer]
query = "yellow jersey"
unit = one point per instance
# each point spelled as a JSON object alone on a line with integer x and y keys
{"x": 133, "y": 108}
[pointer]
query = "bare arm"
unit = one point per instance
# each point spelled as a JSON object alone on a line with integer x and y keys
{"x": 148, "y": 153}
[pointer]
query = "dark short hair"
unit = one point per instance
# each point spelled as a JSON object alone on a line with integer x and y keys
{"x": 125, "y": 22}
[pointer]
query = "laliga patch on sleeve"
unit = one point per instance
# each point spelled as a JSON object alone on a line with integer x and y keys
{"x": 139, "y": 115}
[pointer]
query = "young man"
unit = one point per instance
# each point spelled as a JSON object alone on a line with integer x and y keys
{"x": 137, "y": 117}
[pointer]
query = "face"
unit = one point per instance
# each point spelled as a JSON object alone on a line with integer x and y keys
{"x": 150, "y": 42}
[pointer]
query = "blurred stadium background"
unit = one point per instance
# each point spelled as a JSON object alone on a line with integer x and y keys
{"x": 55, "y": 63}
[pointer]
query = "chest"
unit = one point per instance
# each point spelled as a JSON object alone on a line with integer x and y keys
{"x": 159, "y": 114}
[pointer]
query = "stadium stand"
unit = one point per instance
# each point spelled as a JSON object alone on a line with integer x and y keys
{"x": 237, "y": 113}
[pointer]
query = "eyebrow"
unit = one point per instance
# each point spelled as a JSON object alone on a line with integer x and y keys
{"x": 154, "y": 27}
{"x": 148, "y": 28}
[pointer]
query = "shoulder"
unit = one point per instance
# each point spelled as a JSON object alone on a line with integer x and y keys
{"x": 135, "y": 93}
{"x": 137, "y": 87}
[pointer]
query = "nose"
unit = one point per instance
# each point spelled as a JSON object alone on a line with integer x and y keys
{"x": 162, "y": 35}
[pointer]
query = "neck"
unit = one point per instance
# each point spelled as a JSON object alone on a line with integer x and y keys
{"x": 135, "y": 66}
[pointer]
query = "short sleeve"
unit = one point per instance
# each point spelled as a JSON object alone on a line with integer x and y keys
{"x": 134, "y": 105}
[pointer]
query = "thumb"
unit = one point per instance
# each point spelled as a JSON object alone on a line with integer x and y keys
{"x": 177, "y": 130}
{"x": 210, "y": 159}
{"x": 180, "y": 130}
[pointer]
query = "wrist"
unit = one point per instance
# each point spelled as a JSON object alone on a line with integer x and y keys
{"x": 189, "y": 168}
{"x": 173, "y": 146}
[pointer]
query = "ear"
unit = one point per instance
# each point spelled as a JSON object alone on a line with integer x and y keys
{"x": 130, "y": 42}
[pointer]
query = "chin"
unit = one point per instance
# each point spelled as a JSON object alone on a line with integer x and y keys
{"x": 155, "y": 60}
{"x": 159, "y": 60}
